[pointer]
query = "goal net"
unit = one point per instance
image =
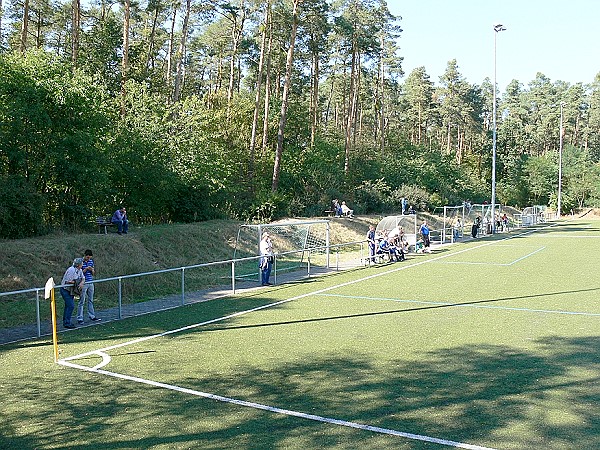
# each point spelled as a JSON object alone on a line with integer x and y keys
{"x": 453, "y": 223}
{"x": 293, "y": 241}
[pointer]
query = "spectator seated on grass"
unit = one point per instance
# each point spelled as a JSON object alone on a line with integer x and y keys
{"x": 420, "y": 246}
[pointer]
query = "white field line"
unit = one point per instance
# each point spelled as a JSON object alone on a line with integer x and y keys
{"x": 464, "y": 305}
{"x": 287, "y": 412}
{"x": 102, "y": 353}
{"x": 317, "y": 292}
{"x": 497, "y": 264}
{"x": 545, "y": 236}
{"x": 526, "y": 256}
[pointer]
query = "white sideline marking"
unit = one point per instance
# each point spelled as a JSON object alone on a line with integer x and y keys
{"x": 286, "y": 412}
{"x": 317, "y": 292}
{"x": 66, "y": 361}
{"x": 464, "y": 305}
{"x": 496, "y": 264}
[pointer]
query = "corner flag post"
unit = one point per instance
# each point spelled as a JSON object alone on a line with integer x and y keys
{"x": 49, "y": 293}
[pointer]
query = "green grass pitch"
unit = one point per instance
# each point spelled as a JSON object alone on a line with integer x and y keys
{"x": 491, "y": 343}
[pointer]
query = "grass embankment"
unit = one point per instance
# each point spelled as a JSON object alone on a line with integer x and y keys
{"x": 28, "y": 263}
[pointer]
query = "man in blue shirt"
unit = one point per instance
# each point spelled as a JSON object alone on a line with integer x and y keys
{"x": 87, "y": 292}
{"x": 119, "y": 218}
{"x": 424, "y": 230}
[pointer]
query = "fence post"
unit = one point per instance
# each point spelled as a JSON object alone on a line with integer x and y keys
{"x": 275, "y": 266}
{"x": 120, "y": 299}
{"x": 182, "y": 286}
{"x": 37, "y": 312}
{"x": 233, "y": 276}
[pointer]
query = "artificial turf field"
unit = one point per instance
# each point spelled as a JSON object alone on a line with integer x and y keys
{"x": 494, "y": 343}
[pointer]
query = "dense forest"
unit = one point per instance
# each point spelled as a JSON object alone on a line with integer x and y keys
{"x": 258, "y": 109}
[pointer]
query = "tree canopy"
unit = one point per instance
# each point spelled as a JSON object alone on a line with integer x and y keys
{"x": 187, "y": 111}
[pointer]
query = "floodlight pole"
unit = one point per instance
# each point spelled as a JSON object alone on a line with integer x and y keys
{"x": 560, "y": 149}
{"x": 497, "y": 29}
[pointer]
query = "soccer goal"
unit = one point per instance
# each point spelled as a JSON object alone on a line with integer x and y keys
{"x": 454, "y": 223}
{"x": 295, "y": 242}
{"x": 532, "y": 215}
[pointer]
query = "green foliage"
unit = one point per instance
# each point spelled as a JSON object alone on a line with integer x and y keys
{"x": 20, "y": 208}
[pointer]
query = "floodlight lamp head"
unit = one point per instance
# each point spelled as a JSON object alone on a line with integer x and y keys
{"x": 499, "y": 27}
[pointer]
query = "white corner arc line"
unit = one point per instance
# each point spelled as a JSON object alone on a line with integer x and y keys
{"x": 287, "y": 412}
{"x": 105, "y": 360}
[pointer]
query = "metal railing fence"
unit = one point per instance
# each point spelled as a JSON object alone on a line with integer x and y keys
{"x": 316, "y": 257}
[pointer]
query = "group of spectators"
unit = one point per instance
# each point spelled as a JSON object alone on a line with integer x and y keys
{"x": 78, "y": 282}
{"x": 392, "y": 244}
{"x": 341, "y": 209}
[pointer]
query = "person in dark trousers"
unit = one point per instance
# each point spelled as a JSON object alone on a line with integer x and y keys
{"x": 119, "y": 218}
{"x": 73, "y": 277}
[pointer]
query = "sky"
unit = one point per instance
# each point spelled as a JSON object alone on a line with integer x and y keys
{"x": 560, "y": 39}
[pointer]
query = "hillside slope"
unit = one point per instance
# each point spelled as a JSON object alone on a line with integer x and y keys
{"x": 28, "y": 263}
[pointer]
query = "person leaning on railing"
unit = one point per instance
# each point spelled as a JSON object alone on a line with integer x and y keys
{"x": 74, "y": 277}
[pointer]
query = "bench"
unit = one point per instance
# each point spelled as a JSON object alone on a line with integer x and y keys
{"x": 329, "y": 213}
{"x": 103, "y": 223}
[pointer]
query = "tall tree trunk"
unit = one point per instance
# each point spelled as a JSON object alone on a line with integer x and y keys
{"x": 149, "y": 57}
{"x": 24, "y": 27}
{"x": 314, "y": 102}
{"x": 171, "y": 44}
{"x": 75, "y": 32}
{"x": 237, "y": 30}
{"x": 284, "y": 103}
{"x": 351, "y": 112}
{"x": 125, "y": 61}
{"x": 261, "y": 61}
{"x": 265, "y": 137}
{"x": 181, "y": 53}
{"x": 382, "y": 97}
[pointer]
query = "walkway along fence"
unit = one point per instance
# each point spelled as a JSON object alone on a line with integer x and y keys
{"x": 347, "y": 255}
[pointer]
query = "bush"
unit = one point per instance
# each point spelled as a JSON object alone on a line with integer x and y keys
{"x": 21, "y": 209}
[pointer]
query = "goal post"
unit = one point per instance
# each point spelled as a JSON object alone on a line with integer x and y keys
{"x": 295, "y": 239}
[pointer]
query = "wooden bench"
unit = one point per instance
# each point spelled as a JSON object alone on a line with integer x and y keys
{"x": 103, "y": 223}
{"x": 328, "y": 212}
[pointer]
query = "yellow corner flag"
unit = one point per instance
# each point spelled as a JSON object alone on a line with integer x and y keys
{"x": 49, "y": 293}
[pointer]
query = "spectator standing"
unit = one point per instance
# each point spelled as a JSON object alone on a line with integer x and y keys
{"x": 267, "y": 259}
{"x": 457, "y": 230}
{"x": 87, "y": 292}
{"x": 404, "y": 202}
{"x": 119, "y": 218}
{"x": 424, "y": 230}
{"x": 371, "y": 242}
{"x": 73, "y": 276}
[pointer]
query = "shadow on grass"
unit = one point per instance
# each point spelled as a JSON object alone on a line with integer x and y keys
{"x": 493, "y": 395}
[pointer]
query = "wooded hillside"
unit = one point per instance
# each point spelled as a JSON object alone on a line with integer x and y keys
{"x": 188, "y": 111}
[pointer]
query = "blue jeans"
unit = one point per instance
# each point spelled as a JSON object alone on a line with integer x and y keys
{"x": 265, "y": 272}
{"x": 69, "y": 306}
{"x": 122, "y": 225}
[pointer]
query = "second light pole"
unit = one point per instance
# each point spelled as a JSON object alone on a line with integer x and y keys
{"x": 497, "y": 29}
